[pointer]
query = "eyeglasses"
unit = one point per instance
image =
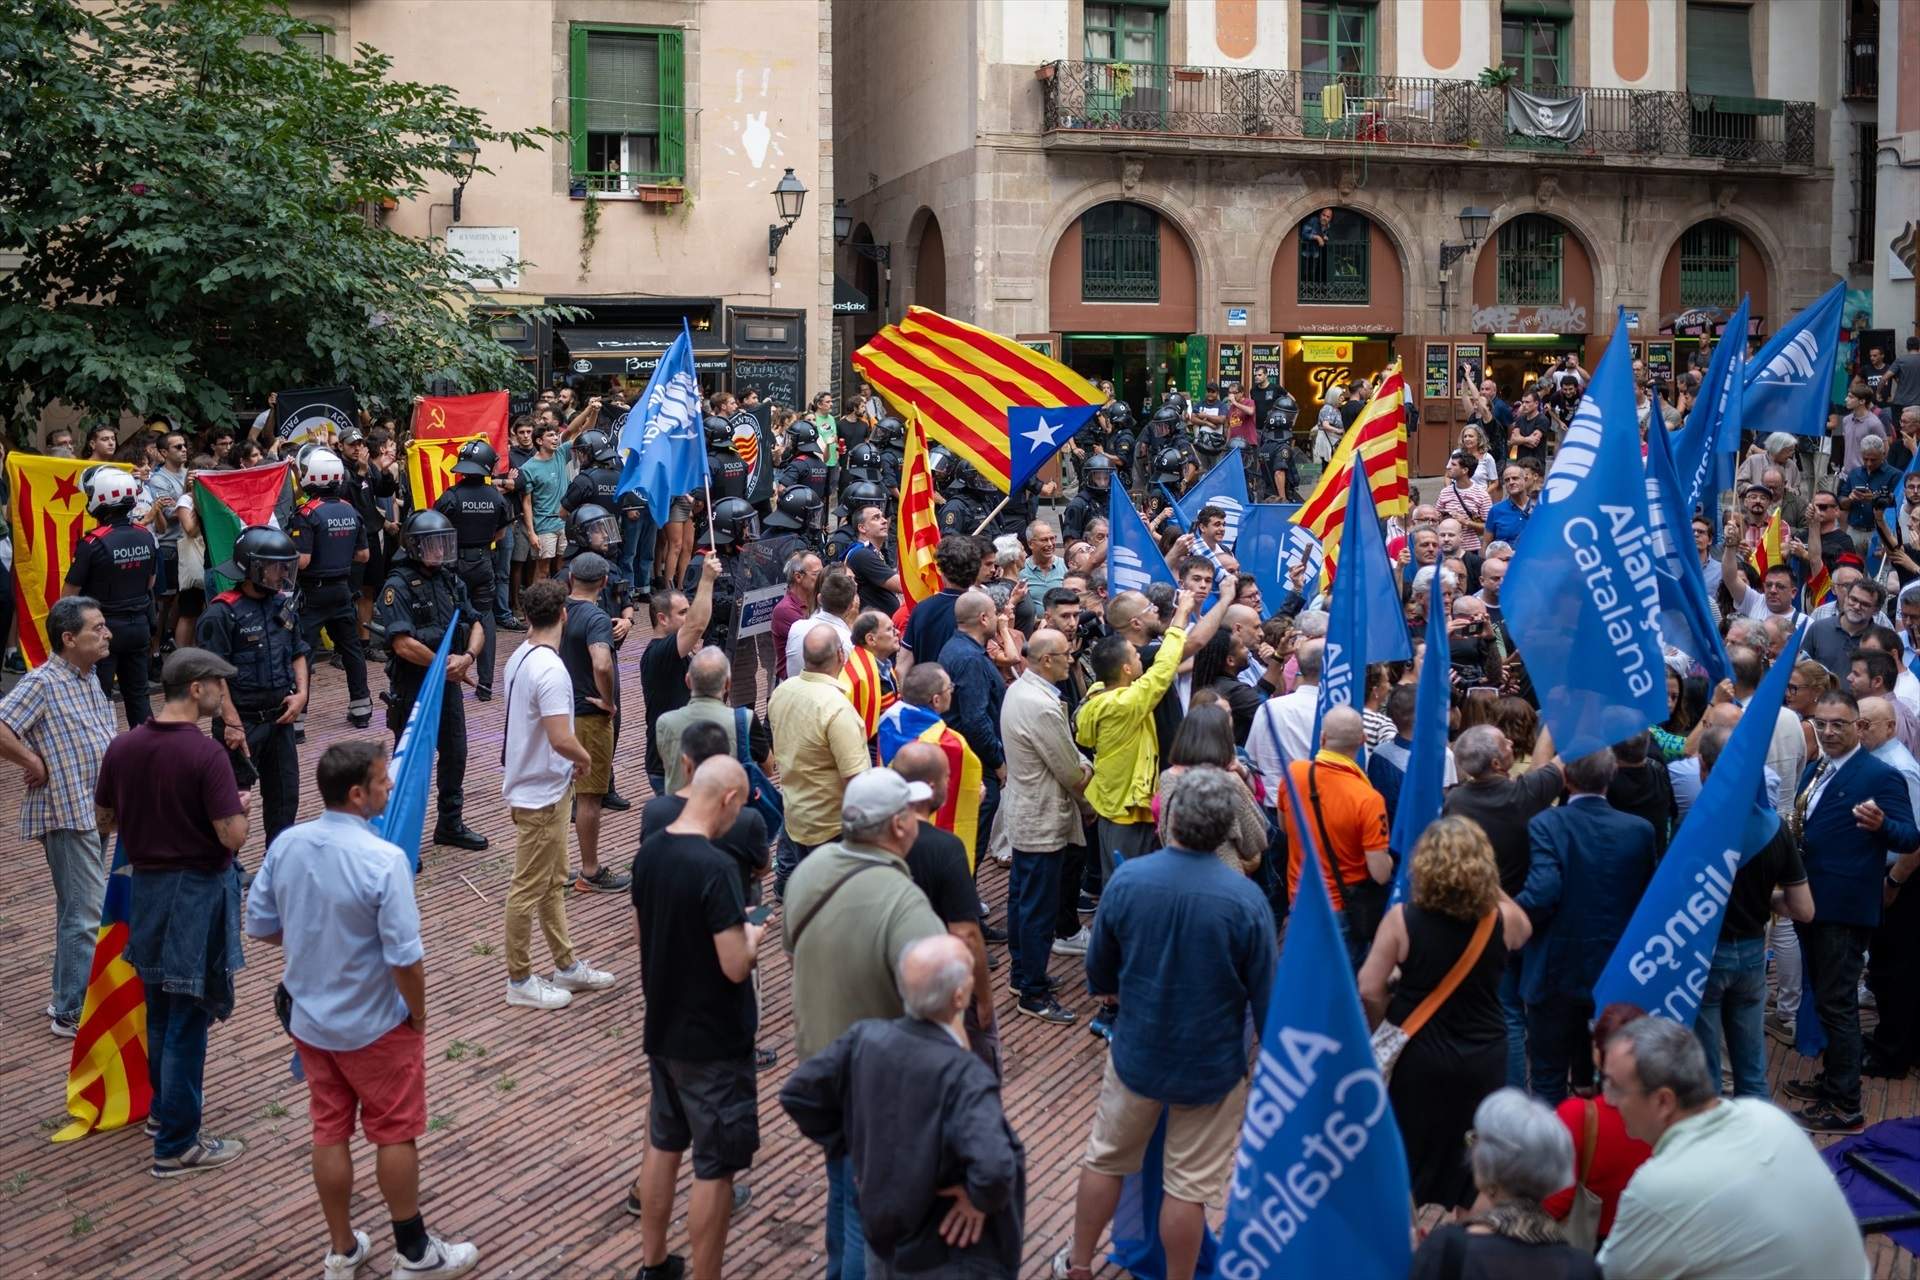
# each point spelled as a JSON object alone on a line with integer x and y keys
{"x": 1832, "y": 726}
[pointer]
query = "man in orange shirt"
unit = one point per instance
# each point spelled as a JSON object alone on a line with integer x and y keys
{"x": 1349, "y": 828}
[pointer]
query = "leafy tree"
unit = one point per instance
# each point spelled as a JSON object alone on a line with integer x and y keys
{"x": 198, "y": 214}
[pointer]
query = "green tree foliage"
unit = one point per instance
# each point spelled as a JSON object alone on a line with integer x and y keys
{"x": 198, "y": 216}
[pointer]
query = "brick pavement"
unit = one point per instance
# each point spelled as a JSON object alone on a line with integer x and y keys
{"x": 538, "y": 1120}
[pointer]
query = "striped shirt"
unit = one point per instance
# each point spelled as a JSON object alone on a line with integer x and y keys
{"x": 61, "y": 714}
{"x": 1464, "y": 505}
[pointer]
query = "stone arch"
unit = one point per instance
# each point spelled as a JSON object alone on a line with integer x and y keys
{"x": 1383, "y": 216}
{"x": 1389, "y": 307}
{"x": 1764, "y": 238}
{"x": 1155, "y": 196}
{"x": 1601, "y": 271}
{"x": 926, "y": 261}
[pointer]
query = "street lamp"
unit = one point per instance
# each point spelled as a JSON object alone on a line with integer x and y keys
{"x": 1473, "y": 228}
{"x": 789, "y": 197}
{"x": 880, "y": 253}
{"x": 462, "y": 155}
{"x": 842, "y": 220}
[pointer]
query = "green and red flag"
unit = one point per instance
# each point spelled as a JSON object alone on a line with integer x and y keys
{"x": 227, "y": 502}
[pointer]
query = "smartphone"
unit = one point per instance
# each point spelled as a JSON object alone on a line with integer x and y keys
{"x": 760, "y": 913}
{"x": 1476, "y": 691}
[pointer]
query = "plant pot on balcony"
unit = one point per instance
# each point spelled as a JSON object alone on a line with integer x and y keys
{"x": 1190, "y": 74}
{"x": 1044, "y": 71}
{"x": 661, "y": 195}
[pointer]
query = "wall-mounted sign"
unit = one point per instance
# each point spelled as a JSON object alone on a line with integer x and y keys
{"x": 1434, "y": 377}
{"x": 1043, "y": 345}
{"x": 1326, "y": 350}
{"x": 1266, "y": 358}
{"x": 1232, "y": 367}
{"x": 1469, "y": 364}
{"x": 487, "y": 254}
{"x": 1660, "y": 363}
{"x": 1236, "y": 317}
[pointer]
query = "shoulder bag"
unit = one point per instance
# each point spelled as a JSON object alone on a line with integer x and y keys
{"x": 1582, "y": 1227}
{"x": 762, "y": 796}
{"x": 793, "y": 938}
{"x": 1389, "y": 1040}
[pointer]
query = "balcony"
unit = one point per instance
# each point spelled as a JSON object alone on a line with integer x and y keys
{"x": 1863, "y": 66}
{"x": 1407, "y": 117}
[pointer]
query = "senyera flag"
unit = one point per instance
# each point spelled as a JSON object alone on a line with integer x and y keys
{"x": 1378, "y": 441}
{"x": 917, "y": 532}
{"x": 462, "y": 418}
{"x": 107, "y": 1082}
{"x": 966, "y": 384}
{"x": 870, "y": 692}
{"x": 430, "y": 468}
{"x": 225, "y": 502}
{"x": 49, "y": 515}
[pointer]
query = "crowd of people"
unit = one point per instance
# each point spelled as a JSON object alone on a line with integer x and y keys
{"x": 1125, "y": 754}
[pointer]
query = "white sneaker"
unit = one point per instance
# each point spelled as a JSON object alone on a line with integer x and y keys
{"x": 537, "y": 993}
{"x": 342, "y": 1266}
{"x": 1074, "y": 946}
{"x": 582, "y": 977}
{"x": 442, "y": 1258}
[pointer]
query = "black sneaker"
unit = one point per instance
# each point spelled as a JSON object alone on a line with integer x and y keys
{"x": 1087, "y": 904}
{"x": 605, "y": 880}
{"x": 1824, "y": 1117}
{"x": 483, "y": 695}
{"x": 992, "y": 933}
{"x": 674, "y": 1268}
{"x": 616, "y": 802}
{"x": 764, "y": 1058}
{"x": 1809, "y": 1090}
{"x": 460, "y": 836}
{"x": 508, "y": 622}
{"x": 1047, "y": 1009}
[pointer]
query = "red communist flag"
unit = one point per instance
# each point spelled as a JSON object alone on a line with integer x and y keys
{"x": 459, "y": 417}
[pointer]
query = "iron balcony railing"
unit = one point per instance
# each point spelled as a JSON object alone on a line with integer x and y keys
{"x": 1416, "y": 111}
{"x": 1336, "y": 273}
{"x": 1863, "y": 65}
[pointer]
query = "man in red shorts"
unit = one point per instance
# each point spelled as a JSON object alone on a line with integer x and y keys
{"x": 339, "y": 900}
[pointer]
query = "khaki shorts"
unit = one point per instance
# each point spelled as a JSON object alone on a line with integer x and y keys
{"x": 549, "y": 545}
{"x": 596, "y": 735}
{"x": 1200, "y": 1140}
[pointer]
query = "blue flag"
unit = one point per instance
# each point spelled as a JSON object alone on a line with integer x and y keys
{"x": 665, "y": 453}
{"x": 1134, "y": 562}
{"x": 405, "y": 817}
{"x": 1224, "y": 487}
{"x": 1582, "y": 598}
{"x": 1662, "y": 960}
{"x": 1706, "y": 448}
{"x": 1137, "y": 1249}
{"x": 1269, "y": 545}
{"x": 1789, "y": 381}
{"x": 1686, "y": 619}
{"x": 1423, "y": 790}
{"x": 1034, "y": 435}
{"x": 1364, "y": 621}
{"x": 1320, "y": 1185}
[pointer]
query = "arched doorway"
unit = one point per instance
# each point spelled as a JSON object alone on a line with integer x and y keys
{"x": 1533, "y": 298}
{"x": 1336, "y": 272}
{"x": 1122, "y": 289}
{"x": 1710, "y": 267}
{"x": 930, "y": 267}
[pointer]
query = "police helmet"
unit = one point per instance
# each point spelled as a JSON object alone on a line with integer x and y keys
{"x": 980, "y": 483}
{"x": 863, "y": 460}
{"x": 111, "y": 491}
{"x": 594, "y": 527}
{"x": 1283, "y": 414}
{"x": 863, "y": 493}
{"x": 1169, "y": 463}
{"x": 597, "y": 445}
{"x": 795, "y": 508}
{"x": 803, "y": 432}
{"x": 719, "y": 432}
{"x": 1166, "y": 416}
{"x": 889, "y": 433}
{"x": 1120, "y": 414}
{"x": 320, "y": 469}
{"x": 732, "y": 517}
{"x": 476, "y": 458}
{"x": 257, "y": 549}
{"x": 809, "y": 447}
{"x": 429, "y": 539}
{"x": 1097, "y": 471}
{"x": 1210, "y": 437}
{"x": 942, "y": 466}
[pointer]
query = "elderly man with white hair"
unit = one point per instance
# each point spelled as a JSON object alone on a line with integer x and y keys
{"x": 1865, "y": 488}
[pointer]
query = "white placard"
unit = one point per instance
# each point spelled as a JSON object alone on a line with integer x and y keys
{"x": 489, "y": 254}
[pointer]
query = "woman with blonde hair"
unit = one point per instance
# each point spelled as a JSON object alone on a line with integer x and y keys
{"x": 1448, "y": 941}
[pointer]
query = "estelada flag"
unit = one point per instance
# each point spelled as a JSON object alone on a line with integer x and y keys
{"x": 462, "y": 418}
{"x": 430, "y": 468}
{"x": 107, "y": 1082}
{"x": 960, "y": 812}
{"x": 49, "y": 515}
{"x": 225, "y": 502}
{"x": 917, "y": 531}
{"x": 869, "y": 687}
{"x": 963, "y": 380}
{"x": 1378, "y": 439}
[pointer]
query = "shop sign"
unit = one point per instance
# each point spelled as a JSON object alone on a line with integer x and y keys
{"x": 1236, "y": 317}
{"x": 1434, "y": 378}
{"x": 1326, "y": 350}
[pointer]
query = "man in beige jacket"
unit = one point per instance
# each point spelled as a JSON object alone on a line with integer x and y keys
{"x": 1046, "y": 775}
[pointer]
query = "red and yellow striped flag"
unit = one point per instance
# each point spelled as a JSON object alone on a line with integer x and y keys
{"x": 917, "y": 530}
{"x": 1819, "y": 585}
{"x": 962, "y": 380}
{"x": 868, "y": 688}
{"x": 430, "y": 468}
{"x": 1771, "y": 549}
{"x": 49, "y": 513}
{"x": 1378, "y": 438}
{"x": 107, "y": 1082}
{"x": 960, "y": 812}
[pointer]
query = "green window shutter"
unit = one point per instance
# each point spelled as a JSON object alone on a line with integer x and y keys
{"x": 1555, "y": 10}
{"x": 1719, "y": 57}
{"x": 672, "y": 99}
{"x": 577, "y": 91}
{"x": 623, "y": 79}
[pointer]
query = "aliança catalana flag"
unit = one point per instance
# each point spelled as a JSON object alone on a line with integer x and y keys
{"x": 225, "y": 502}
{"x": 430, "y": 468}
{"x": 49, "y": 515}
{"x": 960, "y": 811}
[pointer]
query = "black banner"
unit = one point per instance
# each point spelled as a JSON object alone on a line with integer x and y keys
{"x": 753, "y": 441}
{"x": 312, "y": 413}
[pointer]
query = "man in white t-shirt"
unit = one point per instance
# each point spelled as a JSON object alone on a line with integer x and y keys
{"x": 539, "y": 762}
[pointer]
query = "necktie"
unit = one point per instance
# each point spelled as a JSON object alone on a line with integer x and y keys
{"x": 1806, "y": 794}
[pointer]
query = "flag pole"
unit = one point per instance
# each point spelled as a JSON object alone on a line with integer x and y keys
{"x": 706, "y": 472}
{"x": 998, "y": 507}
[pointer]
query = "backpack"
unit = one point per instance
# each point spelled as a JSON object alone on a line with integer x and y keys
{"x": 762, "y": 796}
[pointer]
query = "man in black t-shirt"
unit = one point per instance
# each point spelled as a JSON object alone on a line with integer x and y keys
{"x": 586, "y": 647}
{"x": 678, "y": 625}
{"x": 746, "y": 841}
{"x": 697, "y": 953}
{"x": 1733, "y": 1007}
{"x": 879, "y": 582}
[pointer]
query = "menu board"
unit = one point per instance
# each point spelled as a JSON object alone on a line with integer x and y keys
{"x": 1231, "y": 363}
{"x": 1266, "y": 355}
{"x": 1469, "y": 364}
{"x": 1660, "y": 363}
{"x": 777, "y": 380}
{"x": 1439, "y": 355}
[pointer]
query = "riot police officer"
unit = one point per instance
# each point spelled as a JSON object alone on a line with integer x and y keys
{"x": 1278, "y": 454}
{"x": 961, "y": 510}
{"x": 794, "y": 524}
{"x": 1021, "y": 505}
{"x": 1096, "y": 481}
{"x": 805, "y": 466}
{"x": 116, "y": 563}
{"x": 727, "y": 471}
{"x": 479, "y": 513}
{"x": 331, "y": 538}
{"x": 593, "y": 528}
{"x": 1175, "y": 467}
{"x": 732, "y": 529}
{"x": 412, "y": 615}
{"x": 256, "y": 627}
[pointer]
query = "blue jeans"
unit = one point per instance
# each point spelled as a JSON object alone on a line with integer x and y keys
{"x": 79, "y": 889}
{"x": 502, "y": 570}
{"x": 1033, "y": 901}
{"x": 787, "y": 854}
{"x": 176, "y": 1061}
{"x": 1514, "y": 1009}
{"x": 1733, "y": 1015}
{"x": 846, "y": 1242}
{"x": 1560, "y": 1046}
{"x": 637, "y": 537}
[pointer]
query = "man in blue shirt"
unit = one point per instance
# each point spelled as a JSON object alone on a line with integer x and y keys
{"x": 978, "y": 691}
{"x": 339, "y": 900}
{"x": 1186, "y": 945}
{"x": 1507, "y": 518}
{"x": 1865, "y": 488}
{"x": 930, "y": 624}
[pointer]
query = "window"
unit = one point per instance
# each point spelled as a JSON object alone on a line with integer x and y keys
{"x": 1710, "y": 266}
{"x": 628, "y": 120}
{"x": 1865, "y": 197}
{"x": 1534, "y": 41}
{"x": 1127, "y": 33}
{"x": 1333, "y": 258}
{"x": 1126, "y": 52}
{"x": 313, "y": 42}
{"x": 1336, "y": 40}
{"x": 1120, "y": 253}
{"x": 1530, "y": 248}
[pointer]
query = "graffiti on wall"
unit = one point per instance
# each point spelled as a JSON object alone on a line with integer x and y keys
{"x": 1569, "y": 317}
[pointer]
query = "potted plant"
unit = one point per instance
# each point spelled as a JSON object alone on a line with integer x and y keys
{"x": 1044, "y": 71}
{"x": 1497, "y": 77}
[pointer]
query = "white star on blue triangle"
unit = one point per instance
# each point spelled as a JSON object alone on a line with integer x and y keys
{"x": 1035, "y": 433}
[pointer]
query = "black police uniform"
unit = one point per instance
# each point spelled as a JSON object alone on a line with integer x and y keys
{"x": 331, "y": 532}
{"x": 728, "y": 474}
{"x": 803, "y": 469}
{"x": 421, "y": 604}
{"x": 1019, "y": 511}
{"x": 261, "y": 636}
{"x": 115, "y": 564}
{"x": 479, "y": 513}
{"x": 601, "y": 485}
{"x": 1087, "y": 504}
{"x": 958, "y": 514}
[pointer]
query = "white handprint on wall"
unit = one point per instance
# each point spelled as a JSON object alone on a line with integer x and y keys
{"x": 756, "y": 137}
